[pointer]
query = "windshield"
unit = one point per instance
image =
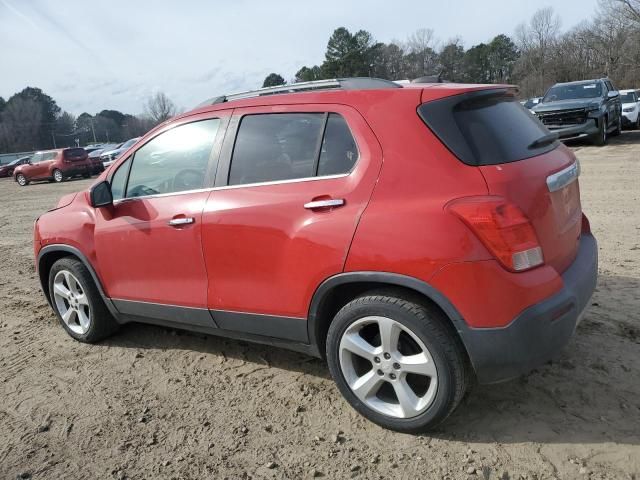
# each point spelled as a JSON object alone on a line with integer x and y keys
{"x": 628, "y": 97}
{"x": 571, "y": 92}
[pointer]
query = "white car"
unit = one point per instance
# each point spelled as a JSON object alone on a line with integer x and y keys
{"x": 630, "y": 108}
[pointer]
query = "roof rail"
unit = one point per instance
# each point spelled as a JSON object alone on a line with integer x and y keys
{"x": 353, "y": 83}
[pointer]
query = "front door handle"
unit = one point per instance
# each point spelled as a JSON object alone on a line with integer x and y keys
{"x": 329, "y": 203}
{"x": 178, "y": 222}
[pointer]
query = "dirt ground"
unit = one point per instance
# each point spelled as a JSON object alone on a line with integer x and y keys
{"x": 158, "y": 403}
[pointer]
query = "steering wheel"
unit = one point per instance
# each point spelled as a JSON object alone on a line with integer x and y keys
{"x": 188, "y": 179}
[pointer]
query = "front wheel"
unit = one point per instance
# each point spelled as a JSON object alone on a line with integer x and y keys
{"x": 600, "y": 138}
{"x": 22, "y": 180}
{"x": 77, "y": 302}
{"x": 57, "y": 176}
{"x": 618, "y": 130}
{"x": 396, "y": 362}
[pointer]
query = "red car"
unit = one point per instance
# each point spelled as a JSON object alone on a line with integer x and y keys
{"x": 417, "y": 237}
{"x": 54, "y": 165}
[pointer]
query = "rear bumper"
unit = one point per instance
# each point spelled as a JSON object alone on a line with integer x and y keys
{"x": 71, "y": 170}
{"x": 537, "y": 334}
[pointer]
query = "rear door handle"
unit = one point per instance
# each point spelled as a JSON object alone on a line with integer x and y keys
{"x": 333, "y": 202}
{"x": 177, "y": 222}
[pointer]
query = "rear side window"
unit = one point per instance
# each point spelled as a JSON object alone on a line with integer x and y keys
{"x": 487, "y": 128}
{"x": 288, "y": 146}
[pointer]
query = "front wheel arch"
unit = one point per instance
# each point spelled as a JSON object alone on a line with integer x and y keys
{"x": 49, "y": 254}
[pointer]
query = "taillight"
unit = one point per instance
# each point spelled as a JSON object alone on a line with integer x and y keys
{"x": 502, "y": 228}
{"x": 586, "y": 225}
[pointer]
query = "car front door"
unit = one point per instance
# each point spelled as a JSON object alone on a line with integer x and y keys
{"x": 290, "y": 189}
{"x": 37, "y": 166}
{"x": 148, "y": 244}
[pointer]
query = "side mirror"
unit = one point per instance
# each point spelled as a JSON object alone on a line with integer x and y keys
{"x": 100, "y": 194}
{"x": 613, "y": 94}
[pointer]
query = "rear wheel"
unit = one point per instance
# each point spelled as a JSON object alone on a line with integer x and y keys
{"x": 22, "y": 180}
{"x": 77, "y": 302}
{"x": 57, "y": 176}
{"x": 396, "y": 362}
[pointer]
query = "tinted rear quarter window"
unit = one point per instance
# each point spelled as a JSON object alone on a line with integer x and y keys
{"x": 339, "y": 151}
{"x": 486, "y": 127}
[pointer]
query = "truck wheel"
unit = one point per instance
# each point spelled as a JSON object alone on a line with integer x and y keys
{"x": 77, "y": 302}
{"x": 600, "y": 138}
{"x": 396, "y": 362}
{"x": 57, "y": 176}
{"x": 618, "y": 130}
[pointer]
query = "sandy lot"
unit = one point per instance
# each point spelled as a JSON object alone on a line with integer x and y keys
{"x": 157, "y": 403}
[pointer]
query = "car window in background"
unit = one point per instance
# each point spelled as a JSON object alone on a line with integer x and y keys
{"x": 339, "y": 151}
{"x": 129, "y": 143}
{"x": 278, "y": 146}
{"x": 49, "y": 156}
{"x": 571, "y": 92}
{"x": 36, "y": 158}
{"x": 119, "y": 180}
{"x": 628, "y": 98}
{"x": 174, "y": 161}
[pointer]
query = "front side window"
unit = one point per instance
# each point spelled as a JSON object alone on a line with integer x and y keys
{"x": 174, "y": 161}
{"x": 49, "y": 156}
{"x": 37, "y": 157}
{"x": 119, "y": 180}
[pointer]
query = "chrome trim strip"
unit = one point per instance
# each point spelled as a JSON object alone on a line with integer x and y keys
{"x": 561, "y": 179}
{"x": 228, "y": 187}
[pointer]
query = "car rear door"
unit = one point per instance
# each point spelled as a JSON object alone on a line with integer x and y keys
{"x": 291, "y": 186}
{"x": 148, "y": 244}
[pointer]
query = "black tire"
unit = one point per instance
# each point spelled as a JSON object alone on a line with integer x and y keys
{"x": 101, "y": 324}
{"x": 618, "y": 130}
{"x": 600, "y": 138}
{"x": 637, "y": 125}
{"x": 86, "y": 175}
{"x": 22, "y": 180}
{"x": 57, "y": 176}
{"x": 430, "y": 326}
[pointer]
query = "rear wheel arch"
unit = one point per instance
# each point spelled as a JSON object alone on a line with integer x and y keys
{"x": 337, "y": 291}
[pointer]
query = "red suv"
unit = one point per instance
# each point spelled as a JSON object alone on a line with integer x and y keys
{"x": 54, "y": 165}
{"x": 418, "y": 237}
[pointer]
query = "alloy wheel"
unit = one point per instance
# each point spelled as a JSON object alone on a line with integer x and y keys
{"x": 388, "y": 367}
{"x": 57, "y": 175}
{"x": 22, "y": 181}
{"x": 71, "y": 302}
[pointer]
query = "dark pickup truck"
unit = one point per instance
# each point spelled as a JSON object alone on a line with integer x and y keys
{"x": 586, "y": 109}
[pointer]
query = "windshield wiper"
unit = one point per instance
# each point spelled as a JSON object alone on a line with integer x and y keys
{"x": 544, "y": 140}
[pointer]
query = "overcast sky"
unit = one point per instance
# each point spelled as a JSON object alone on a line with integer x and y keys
{"x": 91, "y": 55}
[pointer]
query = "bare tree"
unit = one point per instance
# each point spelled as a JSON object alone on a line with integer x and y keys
{"x": 632, "y": 7}
{"x": 160, "y": 107}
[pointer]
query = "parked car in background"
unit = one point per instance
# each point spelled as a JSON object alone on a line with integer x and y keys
{"x": 54, "y": 165}
{"x": 586, "y": 109}
{"x": 7, "y": 170}
{"x": 531, "y": 102}
{"x": 630, "y": 108}
{"x": 221, "y": 213}
{"x": 108, "y": 156}
{"x": 94, "y": 156}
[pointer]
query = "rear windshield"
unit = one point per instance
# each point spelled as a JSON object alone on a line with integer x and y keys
{"x": 487, "y": 127}
{"x": 75, "y": 153}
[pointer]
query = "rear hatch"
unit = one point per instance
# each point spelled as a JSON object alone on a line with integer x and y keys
{"x": 75, "y": 155}
{"x": 521, "y": 161}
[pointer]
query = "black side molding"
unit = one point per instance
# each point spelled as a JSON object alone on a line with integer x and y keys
{"x": 286, "y": 328}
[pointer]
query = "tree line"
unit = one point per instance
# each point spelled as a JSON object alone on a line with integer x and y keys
{"x": 31, "y": 120}
{"x": 535, "y": 56}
